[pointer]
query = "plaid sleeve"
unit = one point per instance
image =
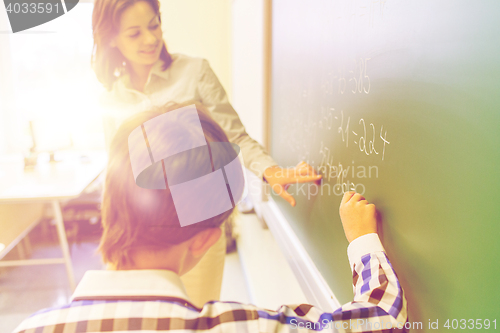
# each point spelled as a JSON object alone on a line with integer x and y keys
{"x": 379, "y": 305}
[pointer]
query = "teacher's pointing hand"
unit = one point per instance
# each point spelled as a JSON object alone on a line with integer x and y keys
{"x": 280, "y": 178}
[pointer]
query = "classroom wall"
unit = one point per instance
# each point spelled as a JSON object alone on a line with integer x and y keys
{"x": 248, "y": 61}
{"x": 230, "y": 35}
{"x": 202, "y": 29}
{"x": 267, "y": 266}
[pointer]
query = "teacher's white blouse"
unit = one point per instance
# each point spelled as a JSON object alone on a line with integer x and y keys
{"x": 187, "y": 79}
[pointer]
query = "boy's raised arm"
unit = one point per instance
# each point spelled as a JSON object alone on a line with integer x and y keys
{"x": 379, "y": 304}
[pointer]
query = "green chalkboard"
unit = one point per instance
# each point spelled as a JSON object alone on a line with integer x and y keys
{"x": 401, "y": 99}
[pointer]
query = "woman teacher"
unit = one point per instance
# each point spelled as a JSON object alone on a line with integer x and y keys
{"x": 131, "y": 60}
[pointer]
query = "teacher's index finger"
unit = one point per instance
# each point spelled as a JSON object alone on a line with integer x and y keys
{"x": 306, "y": 179}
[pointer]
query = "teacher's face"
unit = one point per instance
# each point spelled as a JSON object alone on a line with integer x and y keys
{"x": 140, "y": 37}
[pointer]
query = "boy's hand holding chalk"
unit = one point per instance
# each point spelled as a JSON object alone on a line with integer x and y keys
{"x": 358, "y": 216}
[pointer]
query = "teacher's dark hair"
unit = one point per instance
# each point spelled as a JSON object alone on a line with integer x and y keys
{"x": 108, "y": 62}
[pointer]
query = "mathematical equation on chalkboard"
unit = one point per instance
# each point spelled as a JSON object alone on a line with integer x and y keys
{"x": 358, "y": 134}
{"x": 353, "y": 79}
{"x": 365, "y": 138}
{"x": 366, "y": 10}
{"x": 369, "y": 139}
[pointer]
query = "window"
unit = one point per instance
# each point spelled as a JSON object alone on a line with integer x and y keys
{"x": 53, "y": 85}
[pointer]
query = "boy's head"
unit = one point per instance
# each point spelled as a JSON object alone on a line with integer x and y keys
{"x": 141, "y": 225}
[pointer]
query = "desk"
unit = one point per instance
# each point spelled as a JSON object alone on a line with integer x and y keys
{"x": 50, "y": 183}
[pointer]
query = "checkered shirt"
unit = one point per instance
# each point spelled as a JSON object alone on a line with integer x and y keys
{"x": 155, "y": 300}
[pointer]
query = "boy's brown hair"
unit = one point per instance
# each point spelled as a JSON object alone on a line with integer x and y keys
{"x": 135, "y": 217}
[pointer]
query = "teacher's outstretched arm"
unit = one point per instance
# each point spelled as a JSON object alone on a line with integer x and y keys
{"x": 280, "y": 178}
{"x": 257, "y": 160}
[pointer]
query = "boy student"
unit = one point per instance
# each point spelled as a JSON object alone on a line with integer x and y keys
{"x": 149, "y": 250}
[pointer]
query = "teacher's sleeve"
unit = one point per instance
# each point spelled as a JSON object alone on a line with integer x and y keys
{"x": 214, "y": 97}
